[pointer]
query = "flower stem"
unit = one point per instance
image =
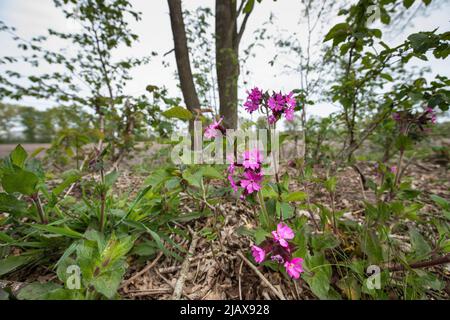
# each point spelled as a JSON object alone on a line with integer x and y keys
{"x": 40, "y": 209}
{"x": 264, "y": 209}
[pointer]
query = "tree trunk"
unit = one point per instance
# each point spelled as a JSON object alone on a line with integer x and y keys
{"x": 182, "y": 57}
{"x": 227, "y": 60}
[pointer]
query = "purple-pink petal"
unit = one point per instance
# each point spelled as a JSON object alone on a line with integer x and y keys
{"x": 258, "y": 254}
{"x": 294, "y": 267}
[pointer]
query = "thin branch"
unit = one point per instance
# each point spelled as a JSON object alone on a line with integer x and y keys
{"x": 184, "y": 269}
{"x": 261, "y": 276}
{"x": 423, "y": 264}
{"x": 242, "y": 29}
{"x": 140, "y": 273}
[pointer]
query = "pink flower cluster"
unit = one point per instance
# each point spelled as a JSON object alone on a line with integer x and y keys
{"x": 280, "y": 250}
{"x": 421, "y": 119}
{"x": 214, "y": 129}
{"x": 281, "y": 104}
{"x": 254, "y": 99}
{"x": 431, "y": 114}
{"x": 252, "y": 175}
{"x": 277, "y": 104}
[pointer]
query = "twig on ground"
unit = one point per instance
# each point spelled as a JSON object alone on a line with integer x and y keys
{"x": 171, "y": 285}
{"x": 185, "y": 269}
{"x": 240, "y": 287}
{"x": 140, "y": 273}
{"x": 423, "y": 264}
{"x": 148, "y": 292}
{"x": 261, "y": 276}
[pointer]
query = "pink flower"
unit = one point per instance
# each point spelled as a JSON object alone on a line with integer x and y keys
{"x": 294, "y": 267}
{"x": 393, "y": 169}
{"x": 253, "y": 100}
{"x": 282, "y": 234}
{"x": 289, "y": 114}
{"x": 290, "y": 100}
{"x": 233, "y": 183}
{"x": 250, "y": 106}
{"x": 432, "y": 114}
{"x": 251, "y": 182}
{"x": 212, "y": 130}
{"x": 276, "y": 102}
{"x": 252, "y": 159}
{"x": 258, "y": 254}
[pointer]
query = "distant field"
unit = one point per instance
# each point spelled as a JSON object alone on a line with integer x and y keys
{"x": 5, "y": 149}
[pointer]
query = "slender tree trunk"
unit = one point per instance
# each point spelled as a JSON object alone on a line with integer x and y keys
{"x": 182, "y": 57}
{"x": 227, "y": 59}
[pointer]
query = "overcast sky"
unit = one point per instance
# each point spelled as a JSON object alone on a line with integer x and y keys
{"x": 34, "y": 17}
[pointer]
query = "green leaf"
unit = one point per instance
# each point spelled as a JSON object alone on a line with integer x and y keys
{"x": 319, "y": 275}
{"x": 268, "y": 191}
{"x": 249, "y": 6}
{"x": 36, "y": 290}
{"x": 295, "y": 196}
{"x": 385, "y": 18}
{"x": 36, "y": 152}
{"x": 421, "y": 42}
{"x": 108, "y": 282}
{"x": 211, "y": 172}
{"x": 62, "y": 231}
{"x": 444, "y": 204}
{"x": 18, "y": 156}
{"x": 111, "y": 178}
{"x": 178, "y": 113}
{"x": 284, "y": 209}
{"x": 338, "y": 33}
{"x": 377, "y": 33}
{"x": 261, "y": 235}
{"x": 11, "y": 263}
{"x": 321, "y": 242}
{"x": 330, "y": 184}
{"x": 386, "y": 76}
{"x": 65, "y": 294}
{"x": 117, "y": 249}
{"x": 193, "y": 179}
{"x": 408, "y": 3}
{"x": 419, "y": 245}
{"x": 72, "y": 178}
{"x": 10, "y": 204}
{"x": 20, "y": 181}
{"x": 371, "y": 246}
{"x": 5, "y": 238}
